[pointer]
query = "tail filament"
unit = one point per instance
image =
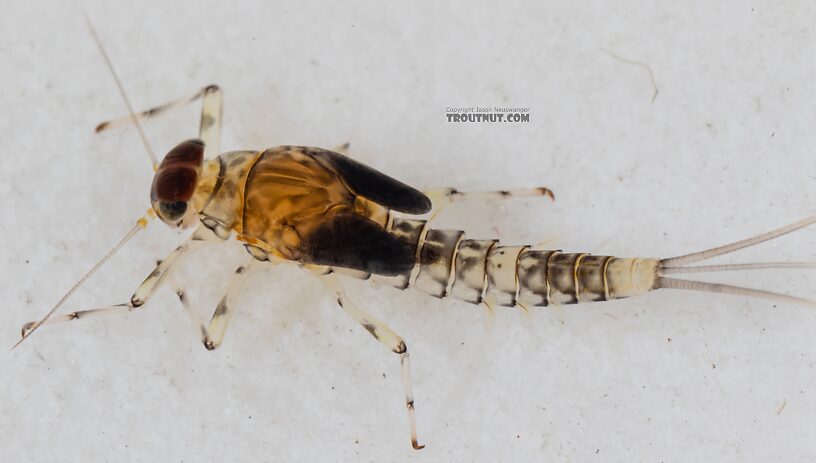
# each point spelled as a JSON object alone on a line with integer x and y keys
{"x": 679, "y": 264}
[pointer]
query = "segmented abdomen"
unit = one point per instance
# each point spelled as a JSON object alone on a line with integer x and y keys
{"x": 482, "y": 270}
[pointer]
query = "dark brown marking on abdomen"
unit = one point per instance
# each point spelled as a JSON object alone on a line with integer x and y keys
{"x": 591, "y": 281}
{"x": 436, "y": 260}
{"x": 532, "y": 278}
{"x": 470, "y": 270}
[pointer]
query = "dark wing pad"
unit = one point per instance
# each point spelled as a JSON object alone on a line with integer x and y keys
{"x": 373, "y": 184}
{"x": 355, "y": 242}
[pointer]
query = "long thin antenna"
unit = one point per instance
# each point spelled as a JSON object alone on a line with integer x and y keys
{"x": 709, "y": 253}
{"x": 140, "y": 224}
{"x": 152, "y": 155}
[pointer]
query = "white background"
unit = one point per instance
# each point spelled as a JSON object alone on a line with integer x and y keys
{"x": 724, "y": 151}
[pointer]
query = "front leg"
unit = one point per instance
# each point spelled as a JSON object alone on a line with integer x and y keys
{"x": 163, "y": 270}
{"x": 209, "y": 129}
{"x": 200, "y": 236}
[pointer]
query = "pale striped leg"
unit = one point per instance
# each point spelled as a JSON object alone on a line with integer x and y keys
{"x": 209, "y": 127}
{"x": 189, "y": 307}
{"x": 103, "y": 311}
{"x": 200, "y": 236}
{"x": 214, "y": 334}
{"x": 148, "y": 287}
{"x": 443, "y": 197}
{"x": 387, "y": 337}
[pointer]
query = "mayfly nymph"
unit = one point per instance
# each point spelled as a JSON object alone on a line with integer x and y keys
{"x": 331, "y": 215}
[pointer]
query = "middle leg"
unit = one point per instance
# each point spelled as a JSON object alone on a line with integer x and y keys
{"x": 214, "y": 334}
{"x": 387, "y": 337}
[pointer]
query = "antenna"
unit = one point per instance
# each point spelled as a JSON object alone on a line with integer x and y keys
{"x": 140, "y": 224}
{"x": 150, "y": 153}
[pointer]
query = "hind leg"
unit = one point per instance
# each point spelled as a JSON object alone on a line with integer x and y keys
{"x": 443, "y": 197}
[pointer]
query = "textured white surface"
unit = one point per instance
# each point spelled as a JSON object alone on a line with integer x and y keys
{"x": 723, "y": 152}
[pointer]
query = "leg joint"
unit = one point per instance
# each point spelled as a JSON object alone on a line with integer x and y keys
{"x": 401, "y": 348}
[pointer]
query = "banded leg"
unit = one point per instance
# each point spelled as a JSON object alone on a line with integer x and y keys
{"x": 109, "y": 310}
{"x": 443, "y": 197}
{"x": 209, "y": 127}
{"x": 214, "y": 334}
{"x": 386, "y": 336}
{"x": 202, "y": 235}
{"x": 189, "y": 307}
{"x": 148, "y": 287}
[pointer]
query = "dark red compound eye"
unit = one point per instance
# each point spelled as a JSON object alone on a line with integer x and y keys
{"x": 176, "y": 177}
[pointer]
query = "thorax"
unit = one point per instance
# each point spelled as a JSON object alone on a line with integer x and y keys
{"x": 271, "y": 199}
